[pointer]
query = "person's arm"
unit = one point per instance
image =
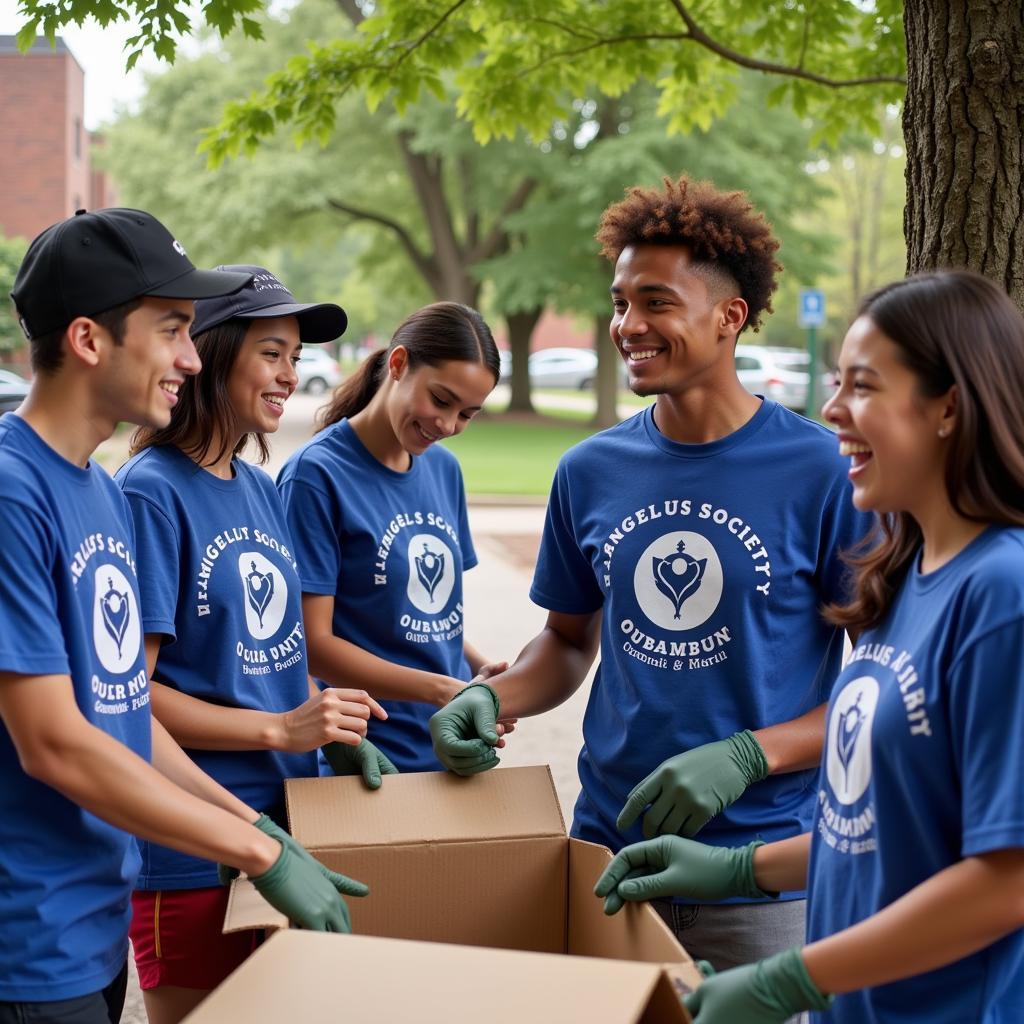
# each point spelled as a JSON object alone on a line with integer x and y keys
{"x": 57, "y": 746}
{"x": 331, "y": 715}
{"x": 343, "y": 663}
{"x": 549, "y": 670}
{"x": 958, "y": 911}
{"x": 795, "y": 745}
{"x": 551, "y": 667}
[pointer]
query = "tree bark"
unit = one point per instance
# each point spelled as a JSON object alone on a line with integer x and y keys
{"x": 965, "y": 143}
{"x": 520, "y": 330}
{"x": 608, "y": 368}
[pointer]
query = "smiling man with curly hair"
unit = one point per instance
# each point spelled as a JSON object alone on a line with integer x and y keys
{"x": 695, "y": 544}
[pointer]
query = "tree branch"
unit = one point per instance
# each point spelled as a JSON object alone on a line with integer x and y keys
{"x": 430, "y": 31}
{"x": 422, "y": 263}
{"x": 698, "y": 35}
{"x": 497, "y": 237}
{"x": 352, "y": 11}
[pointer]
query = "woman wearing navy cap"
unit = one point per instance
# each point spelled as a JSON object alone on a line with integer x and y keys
{"x": 222, "y": 616}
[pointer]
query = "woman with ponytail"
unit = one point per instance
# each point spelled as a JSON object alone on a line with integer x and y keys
{"x": 915, "y": 864}
{"x": 377, "y": 511}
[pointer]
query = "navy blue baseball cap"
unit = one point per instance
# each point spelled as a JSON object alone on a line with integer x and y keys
{"x": 264, "y": 296}
{"x": 97, "y": 260}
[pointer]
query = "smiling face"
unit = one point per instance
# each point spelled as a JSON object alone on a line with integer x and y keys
{"x": 894, "y": 436}
{"x": 144, "y": 373}
{"x": 672, "y": 331}
{"x": 428, "y": 403}
{"x": 263, "y": 375}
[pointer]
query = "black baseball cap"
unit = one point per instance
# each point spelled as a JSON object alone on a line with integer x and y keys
{"x": 264, "y": 296}
{"x": 97, "y": 260}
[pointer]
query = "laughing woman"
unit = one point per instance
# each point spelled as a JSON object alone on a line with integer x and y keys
{"x": 915, "y": 866}
{"x": 377, "y": 511}
{"x": 223, "y": 622}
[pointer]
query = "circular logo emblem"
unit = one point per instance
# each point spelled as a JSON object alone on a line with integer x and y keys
{"x": 264, "y": 592}
{"x": 116, "y": 631}
{"x": 848, "y": 744}
{"x": 431, "y": 573}
{"x": 678, "y": 580}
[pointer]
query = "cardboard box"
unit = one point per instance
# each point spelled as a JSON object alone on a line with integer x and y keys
{"x": 314, "y": 978}
{"x": 481, "y": 862}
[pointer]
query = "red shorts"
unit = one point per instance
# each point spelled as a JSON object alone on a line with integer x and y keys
{"x": 177, "y": 938}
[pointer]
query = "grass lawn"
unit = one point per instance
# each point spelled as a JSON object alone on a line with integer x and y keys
{"x": 514, "y": 455}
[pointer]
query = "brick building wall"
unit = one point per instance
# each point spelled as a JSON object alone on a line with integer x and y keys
{"x": 45, "y": 167}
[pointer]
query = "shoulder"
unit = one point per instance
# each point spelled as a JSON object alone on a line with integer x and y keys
{"x": 318, "y": 458}
{"x": 607, "y": 445}
{"x": 151, "y": 471}
{"x": 993, "y": 581}
{"x": 442, "y": 461}
{"x": 256, "y": 480}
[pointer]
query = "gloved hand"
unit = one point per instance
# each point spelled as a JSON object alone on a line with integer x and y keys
{"x": 267, "y": 825}
{"x": 465, "y": 730}
{"x": 687, "y": 790}
{"x": 672, "y": 866}
{"x": 304, "y": 895}
{"x": 364, "y": 759}
{"x": 767, "y": 992}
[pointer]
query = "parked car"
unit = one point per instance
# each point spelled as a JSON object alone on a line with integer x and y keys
{"x": 560, "y": 368}
{"x": 317, "y": 371}
{"x": 13, "y": 390}
{"x": 781, "y": 374}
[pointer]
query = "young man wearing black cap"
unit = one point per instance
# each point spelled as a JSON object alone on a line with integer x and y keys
{"x": 106, "y": 300}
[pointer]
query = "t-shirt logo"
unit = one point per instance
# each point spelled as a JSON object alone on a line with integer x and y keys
{"x": 848, "y": 758}
{"x": 431, "y": 577}
{"x": 116, "y": 631}
{"x": 678, "y": 580}
{"x": 265, "y": 593}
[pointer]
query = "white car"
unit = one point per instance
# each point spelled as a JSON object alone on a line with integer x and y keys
{"x": 781, "y": 374}
{"x": 318, "y": 371}
{"x": 559, "y": 368}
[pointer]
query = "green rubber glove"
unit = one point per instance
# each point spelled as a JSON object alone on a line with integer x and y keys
{"x": 688, "y": 790}
{"x": 672, "y": 866}
{"x": 303, "y": 894}
{"x": 768, "y": 992}
{"x": 267, "y": 825}
{"x": 364, "y": 759}
{"x": 465, "y": 731}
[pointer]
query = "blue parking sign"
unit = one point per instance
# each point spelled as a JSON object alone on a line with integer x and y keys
{"x": 812, "y": 308}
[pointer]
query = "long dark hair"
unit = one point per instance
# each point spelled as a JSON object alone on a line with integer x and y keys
{"x": 436, "y": 334}
{"x": 950, "y": 327}
{"x": 204, "y": 409}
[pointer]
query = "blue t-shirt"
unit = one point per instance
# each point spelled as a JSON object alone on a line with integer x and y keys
{"x": 391, "y": 548}
{"x": 68, "y": 606}
{"x": 218, "y": 578}
{"x": 924, "y": 766}
{"x": 710, "y": 563}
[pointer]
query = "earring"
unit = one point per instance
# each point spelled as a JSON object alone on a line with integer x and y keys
{"x": 943, "y": 432}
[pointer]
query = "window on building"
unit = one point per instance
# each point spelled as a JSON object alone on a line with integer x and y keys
{"x": 78, "y": 138}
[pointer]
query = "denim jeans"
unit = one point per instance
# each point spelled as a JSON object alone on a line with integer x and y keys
{"x": 103, "y": 1007}
{"x": 728, "y": 935}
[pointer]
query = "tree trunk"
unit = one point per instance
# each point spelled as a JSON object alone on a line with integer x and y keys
{"x": 609, "y": 364}
{"x": 520, "y": 330}
{"x": 965, "y": 144}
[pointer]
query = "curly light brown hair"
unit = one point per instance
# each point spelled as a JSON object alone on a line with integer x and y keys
{"x": 722, "y": 229}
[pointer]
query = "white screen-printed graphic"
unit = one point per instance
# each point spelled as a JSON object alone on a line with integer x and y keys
{"x": 431, "y": 573}
{"x": 678, "y": 580}
{"x": 264, "y": 594}
{"x": 848, "y": 754}
{"x": 116, "y": 630}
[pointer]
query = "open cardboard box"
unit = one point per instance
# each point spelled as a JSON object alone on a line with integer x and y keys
{"x": 479, "y": 862}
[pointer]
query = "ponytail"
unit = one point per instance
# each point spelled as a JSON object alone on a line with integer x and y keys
{"x": 355, "y": 393}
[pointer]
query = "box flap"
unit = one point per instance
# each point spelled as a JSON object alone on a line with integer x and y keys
{"x": 321, "y": 979}
{"x": 635, "y": 933}
{"x": 248, "y": 910}
{"x": 435, "y": 807}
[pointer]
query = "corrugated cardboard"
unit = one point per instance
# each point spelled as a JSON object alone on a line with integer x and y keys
{"x": 314, "y": 978}
{"x": 475, "y": 862}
